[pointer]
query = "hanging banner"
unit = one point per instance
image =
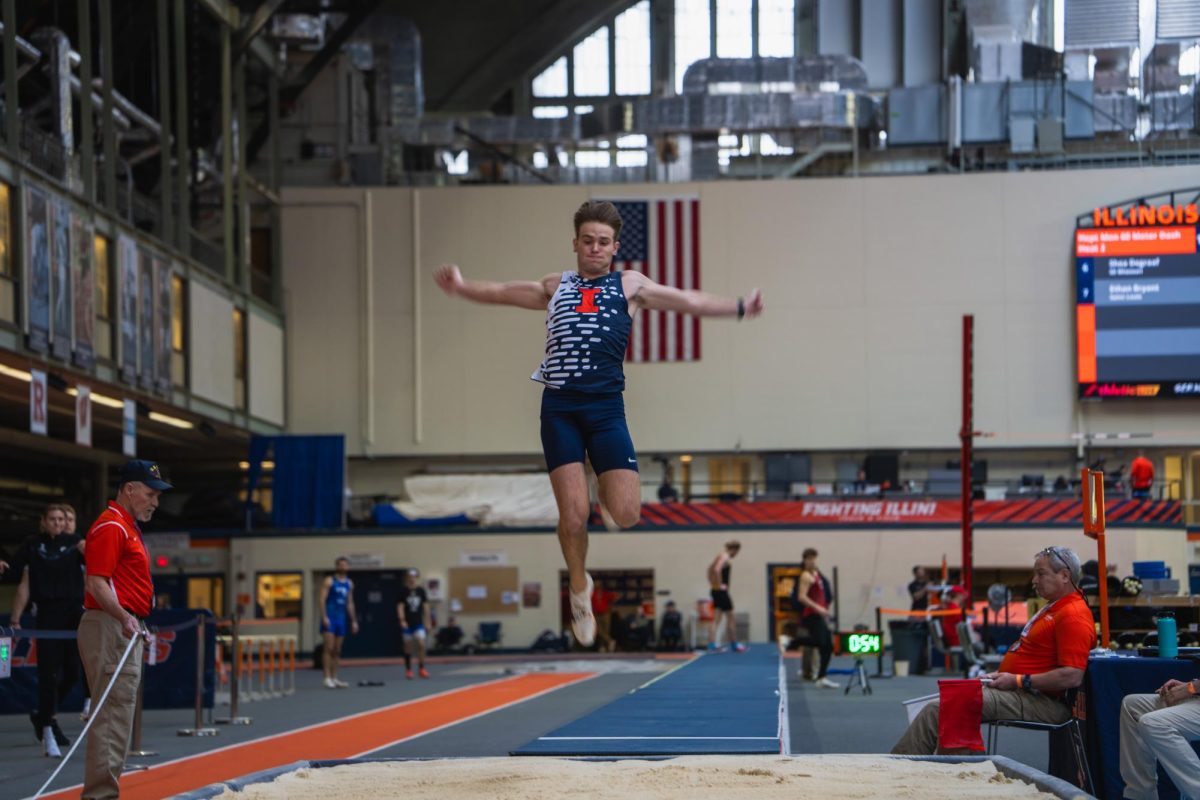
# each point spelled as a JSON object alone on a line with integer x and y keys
{"x": 60, "y": 278}
{"x": 127, "y": 274}
{"x": 162, "y": 328}
{"x": 38, "y": 411}
{"x": 83, "y": 416}
{"x": 83, "y": 283}
{"x": 145, "y": 319}
{"x": 37, "y": 267}
{"x": 129, "y": 429}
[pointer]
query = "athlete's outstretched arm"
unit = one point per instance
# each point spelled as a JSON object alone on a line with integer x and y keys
{"x": 533, "y": 295}
{"x": 655, "y": 296}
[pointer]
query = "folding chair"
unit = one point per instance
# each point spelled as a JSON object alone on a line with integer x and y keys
{"x": 938, "y": 641}
{"x": 988, "y": 662}
{"x": 1072, "y": 727}
{"x": 489, "y": 634}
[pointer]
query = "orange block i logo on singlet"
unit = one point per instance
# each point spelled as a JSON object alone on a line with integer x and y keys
{"x": 588, "y": 306}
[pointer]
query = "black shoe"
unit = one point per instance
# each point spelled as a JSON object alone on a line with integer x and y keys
{"x": 59, "y": 737}
{"x": 37, "y": 726}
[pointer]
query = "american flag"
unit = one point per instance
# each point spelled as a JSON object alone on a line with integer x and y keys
{"x": 660, "y": 237}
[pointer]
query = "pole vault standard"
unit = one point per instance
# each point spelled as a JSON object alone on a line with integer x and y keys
{"x": 1093, "y": 527}
{"x": 966, "y": 437}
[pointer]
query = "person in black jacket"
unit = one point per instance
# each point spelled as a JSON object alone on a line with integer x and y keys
{"x": 670, "y": 633}
{"x": 51, "y": 569}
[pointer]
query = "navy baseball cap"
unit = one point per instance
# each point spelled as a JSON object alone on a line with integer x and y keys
{"x": 146, "y": 472}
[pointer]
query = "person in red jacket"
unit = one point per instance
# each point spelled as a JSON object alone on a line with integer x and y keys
{"x": 1141, "y": 476}
{"x": 118, "y": 596}
{"x": 602, "y": 607}
{"x": 952, "y": 600}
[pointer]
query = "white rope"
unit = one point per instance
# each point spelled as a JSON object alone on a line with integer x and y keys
{"x": 92, "y": 718}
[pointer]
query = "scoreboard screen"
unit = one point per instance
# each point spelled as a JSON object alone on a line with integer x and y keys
{"x": 1137, "y": 302}
{"x": 860, "y": 643}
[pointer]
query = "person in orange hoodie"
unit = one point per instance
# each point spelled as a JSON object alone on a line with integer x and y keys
{"x": 1141, "y": 476}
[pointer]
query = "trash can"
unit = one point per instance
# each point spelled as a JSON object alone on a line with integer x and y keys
{"x": 910, "y": 643}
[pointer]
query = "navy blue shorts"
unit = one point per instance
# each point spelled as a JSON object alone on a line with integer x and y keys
{"x": 575, "y": 424}
{"x": 337, "y": 625}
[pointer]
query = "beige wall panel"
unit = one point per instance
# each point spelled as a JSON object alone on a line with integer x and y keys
{"x": 266, "y": 369}
{"x": 866, "y": 282}
{"x": 874, "y": 566}
{"x": 321, "y": 267}
{"x": 210, "y": 338}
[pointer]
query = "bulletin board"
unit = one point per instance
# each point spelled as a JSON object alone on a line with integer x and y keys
{"x": 483, "y": 590}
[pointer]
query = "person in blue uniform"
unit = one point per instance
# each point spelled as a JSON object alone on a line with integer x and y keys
{"x": 337, "y": 601}
{"x": 412, "y": 608}
{"x": 589, "y": 311}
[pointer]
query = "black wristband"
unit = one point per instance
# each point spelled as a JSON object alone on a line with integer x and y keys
{"x": 741, "y": 308}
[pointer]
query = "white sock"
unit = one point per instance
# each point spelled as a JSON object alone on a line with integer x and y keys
{"x": 48, "y": 740}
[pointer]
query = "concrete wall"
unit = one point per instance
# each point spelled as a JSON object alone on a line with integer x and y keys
{"x": 865, "y": 282}
{"x": 874, "y": 566}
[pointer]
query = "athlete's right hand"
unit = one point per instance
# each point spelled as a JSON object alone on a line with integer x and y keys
{"x": 448, "y": 278}
{"x": 325, "y": 622}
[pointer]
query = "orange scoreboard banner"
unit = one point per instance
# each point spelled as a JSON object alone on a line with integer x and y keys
{"x": 1174, "y": 240}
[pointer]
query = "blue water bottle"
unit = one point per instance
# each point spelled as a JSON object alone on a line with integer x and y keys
{"x": 1168, "y": 636}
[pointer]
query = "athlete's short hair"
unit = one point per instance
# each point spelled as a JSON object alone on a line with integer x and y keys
{"x": 733, "y": 544}
{"x": 599, "y": 211}
{"x": 809, "y": 551}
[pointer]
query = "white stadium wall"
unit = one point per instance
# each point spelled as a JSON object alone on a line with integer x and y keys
{"x": 874, "y": 566}
{"x": 210, "y": 340}
{"x": 265, "y": 346}
{"x": 865, "y": 281}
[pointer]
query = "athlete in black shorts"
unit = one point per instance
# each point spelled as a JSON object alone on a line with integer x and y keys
{"x": 718, "y": 580}
{"x": 589, "y": 312}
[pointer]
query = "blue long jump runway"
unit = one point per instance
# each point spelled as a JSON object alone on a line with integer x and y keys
{"x": 717, "y": 704}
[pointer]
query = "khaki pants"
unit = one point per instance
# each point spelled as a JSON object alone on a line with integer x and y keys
{"x": 921, "y": 738}
{"x": 101, "y": 644}
{"x": 1150, "y": 732}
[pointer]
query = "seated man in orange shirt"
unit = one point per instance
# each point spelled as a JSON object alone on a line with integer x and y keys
{"x": 1049, "y": 658}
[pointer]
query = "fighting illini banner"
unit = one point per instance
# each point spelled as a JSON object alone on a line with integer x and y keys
{"x": 915, "y": 512}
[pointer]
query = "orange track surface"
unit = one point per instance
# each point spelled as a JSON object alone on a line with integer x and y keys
{"x": 346, "y": 737}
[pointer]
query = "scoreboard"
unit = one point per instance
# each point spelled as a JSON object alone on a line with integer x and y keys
{"x": 1137, "y": 302}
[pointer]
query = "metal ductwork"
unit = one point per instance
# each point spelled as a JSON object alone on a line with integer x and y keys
{"x": 804, "y": 73}
{"x": 496, "y": 130}
{"x": 1029, "y": 20}
{"x": 57, "y": 47}
{"x": 407, "y": 86}
{"x": 743, "y": 113}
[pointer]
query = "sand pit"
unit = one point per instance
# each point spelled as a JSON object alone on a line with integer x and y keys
{"x": 684, "y": 778}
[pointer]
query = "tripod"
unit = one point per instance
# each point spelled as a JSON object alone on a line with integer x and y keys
{"x": 860, "y": 677}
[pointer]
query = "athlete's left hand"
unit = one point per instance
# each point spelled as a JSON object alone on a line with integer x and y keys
{"x": 354, "y": 626}
{"x": 754, "y": 303}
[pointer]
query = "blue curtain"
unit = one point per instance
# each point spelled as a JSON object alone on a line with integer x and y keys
{"x": 308, "y": 481}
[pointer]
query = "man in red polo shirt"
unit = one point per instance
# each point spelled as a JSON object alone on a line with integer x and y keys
{"x": 1050, "y": 658}
{"x": 118, "y": 597}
